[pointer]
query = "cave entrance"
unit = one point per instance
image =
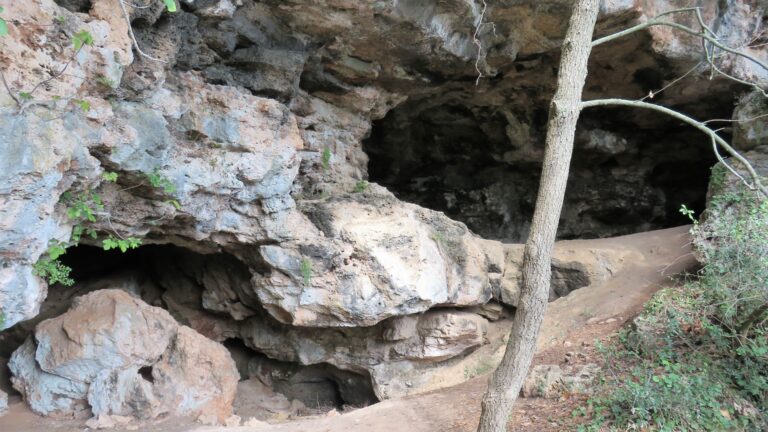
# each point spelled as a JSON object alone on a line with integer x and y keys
{"x": 480, "y": 165}
{"x": 213, "y": 294}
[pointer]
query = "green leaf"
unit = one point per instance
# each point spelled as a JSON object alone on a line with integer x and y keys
{"x": 83, "y": 37}
{"x": 83, "y": 104}
{"x": 109, "y": 243}
{"x": 3, "y": 27}
{"x": 170, "y": 5}
{"x": 109, "y": 176}
{"x": 77, "y": 232}
{"x": 56, "y": 250}
{"x": 25, "y": 95}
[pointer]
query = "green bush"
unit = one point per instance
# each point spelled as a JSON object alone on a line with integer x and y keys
{"x": 697, "y": 357}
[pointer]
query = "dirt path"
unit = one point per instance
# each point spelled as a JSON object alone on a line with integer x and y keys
{"x": 572, "y": 325}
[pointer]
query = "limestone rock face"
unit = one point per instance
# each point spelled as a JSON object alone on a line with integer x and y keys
{"x": 749, "y": 132}
{"x": 382, "y": 351}
{"x": 113, "y": 354}
{"x": 573, "y": 267}
{"x": 378, "y": 258}
{"x": 250, "y": 144}
{"x": 197, "y": 376}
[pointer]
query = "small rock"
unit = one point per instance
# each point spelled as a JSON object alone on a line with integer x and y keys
{"x": 550, "y": 381}
{"x": 297, "y": 407}
{"x": 254, "y": 422}
{"x": 232, "y": 421}
{"x": 105, "y": 421}
{"x": 332, "y": 413}
{"x": 208, "y": 419}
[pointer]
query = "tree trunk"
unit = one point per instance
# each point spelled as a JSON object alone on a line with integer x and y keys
{"x": 506, "y": 382}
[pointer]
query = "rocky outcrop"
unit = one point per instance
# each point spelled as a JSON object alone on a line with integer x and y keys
{"x": 553, "y": 381}
{"x": 383, "y": 351}
{"x": 573, "y": 267}
{"x": 248, "y": 138}
{"x": 749, "y": 132}
{"x": 282, "y": 96}
{"x": 377, "y": 257}
{"x": 113, "y": 354}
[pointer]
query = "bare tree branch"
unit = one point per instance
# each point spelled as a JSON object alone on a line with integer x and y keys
{"x": 133, "y": 36}
{"x": 477, "y": 43}
{"x": 652, "y": 94}
{"x": 8, "y": 89}
{"x": 706, "y": 33}
{"x": 756, "y": 183}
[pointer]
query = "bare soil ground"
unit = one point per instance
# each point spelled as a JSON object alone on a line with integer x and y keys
{"x": 571, "y": 327}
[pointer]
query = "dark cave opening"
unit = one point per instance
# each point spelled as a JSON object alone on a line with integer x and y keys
{"x": 211, "y": 293}
{"x": 480, "y": 165}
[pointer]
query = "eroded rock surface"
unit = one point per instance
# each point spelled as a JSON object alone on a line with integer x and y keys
{"x": 3, "y": 402}
{"x": 552, "y": 381}
{"x": 113, "y": 354}
{"x": 378, "y": 257}
{"x": 383, "y": 351}
{"x": 250, "y": 142}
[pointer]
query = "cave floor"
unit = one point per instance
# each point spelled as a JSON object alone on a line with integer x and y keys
{"x": 572, "y": 326}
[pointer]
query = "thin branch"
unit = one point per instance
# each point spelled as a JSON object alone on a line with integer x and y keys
{"x": 133, "y": 36}
{"x": 739, "y": 80}
{"x": 725, "y": 164}
{"x": 60, "y": 73}
{"x": 477, "y": 43}
{"x": 658, "y": 22}
{"x": 746, "y": 120}
{"x": 757, "y": 184}
{"x": 8, "y": 89}
{"x": 652, "y": 94}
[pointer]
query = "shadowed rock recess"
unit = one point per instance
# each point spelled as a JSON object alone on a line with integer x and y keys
{"x": 330, "y": 202}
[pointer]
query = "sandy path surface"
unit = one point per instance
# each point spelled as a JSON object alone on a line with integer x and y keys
{"x": 572, "y": 323}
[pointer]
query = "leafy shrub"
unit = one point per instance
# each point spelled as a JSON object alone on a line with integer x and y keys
{"x": 697, "y": 358}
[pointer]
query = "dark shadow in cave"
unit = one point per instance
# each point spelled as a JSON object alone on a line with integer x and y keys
{"x": 481, "y": 167}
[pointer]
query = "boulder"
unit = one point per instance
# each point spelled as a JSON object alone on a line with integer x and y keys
{"x": 552, "y": 381}
{"x": 254, "y": 399}
{"x": 196, "y": 376}
{"x": 750, "y": 130}
{"x": 112, "y": 354}
{"x": 574, "y": 265}
{"x": 376, "y": 257}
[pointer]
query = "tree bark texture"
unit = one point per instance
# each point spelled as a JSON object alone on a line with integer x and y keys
{"x": 564, "y": 110}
